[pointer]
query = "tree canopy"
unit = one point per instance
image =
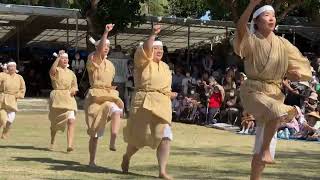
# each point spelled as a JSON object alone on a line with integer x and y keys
{"x": 232, "y": 9}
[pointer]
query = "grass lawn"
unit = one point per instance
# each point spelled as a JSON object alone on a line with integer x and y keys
{"x": 197, "y": 153}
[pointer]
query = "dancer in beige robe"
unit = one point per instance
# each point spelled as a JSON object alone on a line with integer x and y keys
{"x": 12, "y": 87}
{"x": 150, "y": 116}
{"x": 62, "y": 103}
{"x": 268, "y": 59}
{"x": 102, "y": 102}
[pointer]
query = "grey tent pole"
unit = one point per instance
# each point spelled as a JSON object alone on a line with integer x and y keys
{"x": 77, "y": 31}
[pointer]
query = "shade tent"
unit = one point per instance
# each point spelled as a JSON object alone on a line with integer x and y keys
{"x": 22, "y": 26}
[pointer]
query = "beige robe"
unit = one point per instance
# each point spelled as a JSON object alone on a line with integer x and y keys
{"x": 100, "y": 95}
{"x": 12, "y": 87}
{"x": 61, "y": 102}
{"x": 151, "y": 106}
{"x": 266, "y": 64}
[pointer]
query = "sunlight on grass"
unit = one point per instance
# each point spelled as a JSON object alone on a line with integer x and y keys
{"x": 197, "y": 153}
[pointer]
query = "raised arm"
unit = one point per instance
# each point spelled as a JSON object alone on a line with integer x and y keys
{"x": 54, "y": 66}
{"x": 147, "y": 46}
{"x": 99, "y": 54}
{"x": 243, "y": 21}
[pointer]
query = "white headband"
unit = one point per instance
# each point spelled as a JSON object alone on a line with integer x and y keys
{"x": 157, "y": 43}
{"x": 12, "y": 63}
{"x": 96, "y": 43}
{"x": 257, "y": 13}
{"x": 65, "y": 55}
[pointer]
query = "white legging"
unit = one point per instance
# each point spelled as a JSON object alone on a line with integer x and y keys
{"x": 259, "y": 140}
{"x": 11, "y": 116}
{"x": 114, "y": 109}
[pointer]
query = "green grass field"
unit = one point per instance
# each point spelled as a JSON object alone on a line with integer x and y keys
{"x": 197, "y": 153}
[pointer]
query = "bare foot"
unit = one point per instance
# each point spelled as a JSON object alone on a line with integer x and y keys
{"x": 3, "y": 136}
{"x": 92, "y": 164}
{"x": 51, "y": 147}
{"x": 165, "y": 176}
{"x": 112, "y": 148}
{"x": 266, "y": 157}
{"x": 125, "y": 164}
{"x": 70, "y": 149}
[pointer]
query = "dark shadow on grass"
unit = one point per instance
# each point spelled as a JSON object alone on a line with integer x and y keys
{"x": 63, "y": 165}
{"x": 222, "y": 151}
{"x": 25, "y": 148}
{"x": 291, "y": 176}
{"x": 299, "y": 159}
{"x": 198, "y": 172}
{"x": 47, "y": 161}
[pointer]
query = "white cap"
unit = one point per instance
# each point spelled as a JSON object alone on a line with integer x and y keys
{"x": 257, "y": 13}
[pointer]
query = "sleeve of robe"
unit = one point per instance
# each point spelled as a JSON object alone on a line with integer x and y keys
{"x": 244, "y": 47}
{"x": 297, "y": 60}
{"x": 140, "y": 58}
{"x": 22, "y": 89}
{"x": 91, "y": 66}
{"x": 53, "y": 76}
{"x": 74, "y": 85}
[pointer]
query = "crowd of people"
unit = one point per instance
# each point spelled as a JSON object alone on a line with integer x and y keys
{"x": 277, "y": 97}
{"x": 208, "y": 93}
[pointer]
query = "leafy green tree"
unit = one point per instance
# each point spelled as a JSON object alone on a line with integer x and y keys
{"x": 187, "y": 8}
{"x": 155, "y": 7}
{"x": 232, "y": 9}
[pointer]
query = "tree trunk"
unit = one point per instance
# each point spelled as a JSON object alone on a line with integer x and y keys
{"x": 93, "y": 30}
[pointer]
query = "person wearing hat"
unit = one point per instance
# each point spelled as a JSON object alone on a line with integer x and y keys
{"x": 151, "y": 113}
{"x": 102, "y": 102}
{"x": 62, "y": 104}
{"x": 309, "y": 129}
{"x": 268, "y": 58}
{"x": 12, "y": 87}
{"x": 311, "y": 104}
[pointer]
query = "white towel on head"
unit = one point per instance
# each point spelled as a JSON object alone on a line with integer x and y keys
{"x": 257, "y": 13}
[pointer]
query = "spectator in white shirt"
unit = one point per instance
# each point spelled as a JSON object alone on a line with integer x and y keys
{"x": 78, "y": 66}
